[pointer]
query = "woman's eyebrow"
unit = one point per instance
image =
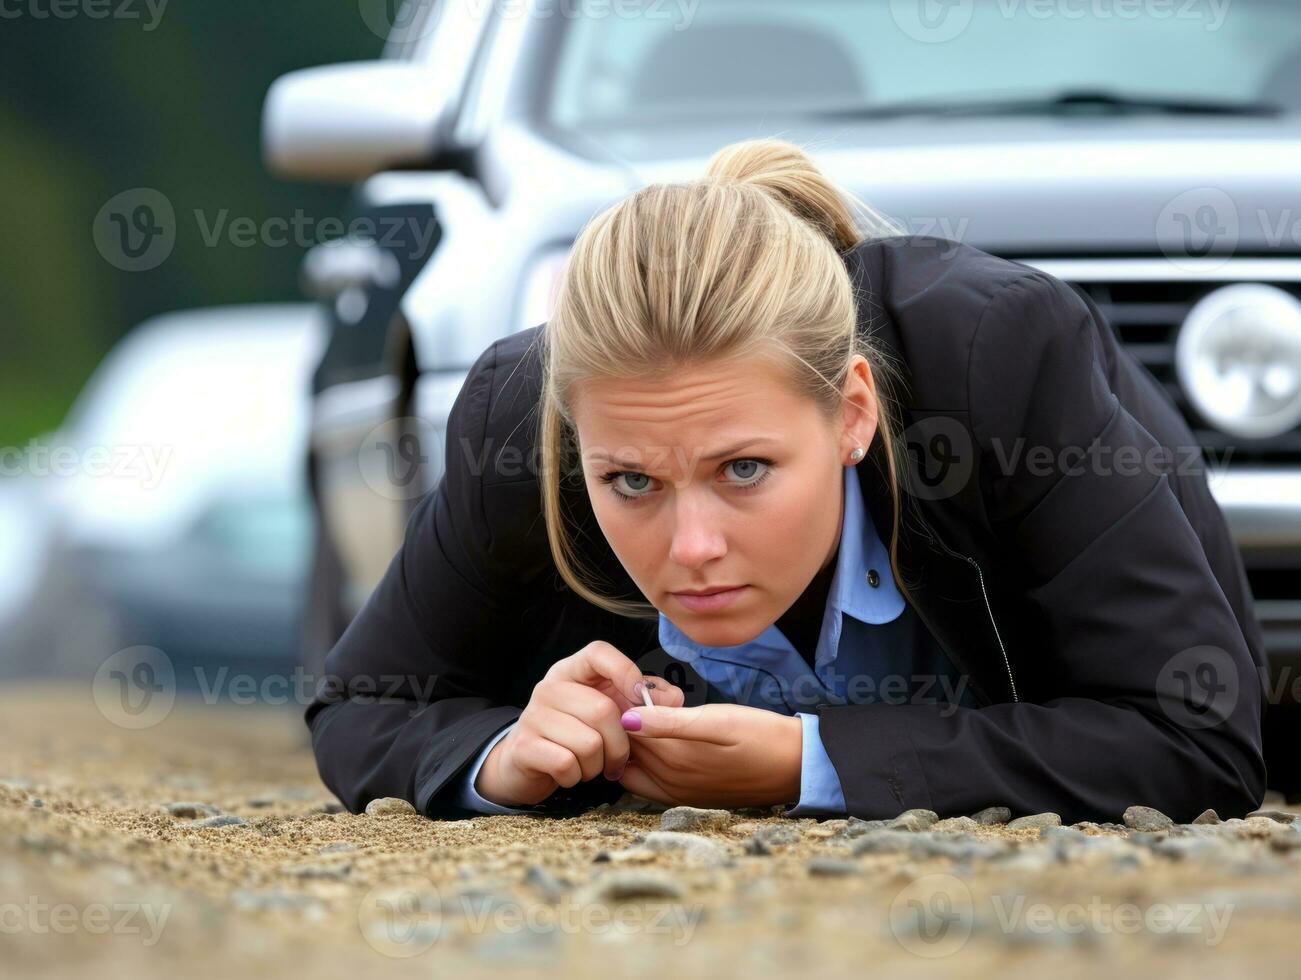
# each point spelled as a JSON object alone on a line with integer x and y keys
{"x": 677, "y": 451}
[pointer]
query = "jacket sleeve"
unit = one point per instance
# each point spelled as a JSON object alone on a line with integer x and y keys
{"x": 1142, "y": 689}
{"x": 432, "y": 666}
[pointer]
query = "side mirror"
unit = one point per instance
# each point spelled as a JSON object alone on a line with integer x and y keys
{"x": 346, "y": 122}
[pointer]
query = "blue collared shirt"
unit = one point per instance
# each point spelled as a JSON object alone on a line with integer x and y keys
{"x": 871, "y": 647}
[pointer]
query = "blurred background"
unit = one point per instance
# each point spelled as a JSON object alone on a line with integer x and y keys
{"x": 253, "y": 248}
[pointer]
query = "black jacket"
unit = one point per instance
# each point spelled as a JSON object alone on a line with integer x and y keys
{"x": 1096, "y": 603}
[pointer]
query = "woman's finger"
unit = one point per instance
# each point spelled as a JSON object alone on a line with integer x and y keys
{"x": 637, "y": 780}
{"x": 695, "y": 723}
{"x": 599, "y": 713}
{"x": 663, "y": 693}
{"x": 584, "y": 741}
{"x": 596, "y": 662}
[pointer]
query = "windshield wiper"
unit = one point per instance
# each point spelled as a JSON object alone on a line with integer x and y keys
{"x": 1073, "y": 102}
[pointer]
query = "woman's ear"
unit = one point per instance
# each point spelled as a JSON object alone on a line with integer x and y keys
{"x": 861, "y": 410}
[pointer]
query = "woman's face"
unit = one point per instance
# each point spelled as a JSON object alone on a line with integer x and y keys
{"x": 732, "y": 479}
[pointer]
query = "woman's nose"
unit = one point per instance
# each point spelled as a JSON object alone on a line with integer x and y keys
{"x": 697, "y": 534}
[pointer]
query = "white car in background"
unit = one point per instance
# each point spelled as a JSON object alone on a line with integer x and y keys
{"x": 1151, "y": 162}
{"x": 174, "y": 501}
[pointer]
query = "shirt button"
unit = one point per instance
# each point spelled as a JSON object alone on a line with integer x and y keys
{"x": 873, "y": 579}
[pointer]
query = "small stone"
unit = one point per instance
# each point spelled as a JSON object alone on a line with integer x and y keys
{"x": 333, "y": 872}
{"x": 330, "y": 806}
{"x": 1278, "y": 816}
{"x": 832, "y": 867}
{"x": 1207, "y": 816}
{"x": 778, "y": 834}
{"x": 696, "y": 849}
{"x": 621, "y": 885}
{"x": 694, "y": 818}
{"x": 338, "y": 847}
{"x": 544, "y": 881}
{"x": 914, "y": 820}
{"x": 956, "y": 825}
{"x": 192, "y": 811}
{"x": 221, "y": 820}
{"x": 273, "y": 900}
{"x": 992, "y": 815}
{"x": 856, "y": 827}
{"x": 1035, "y": 821}
{"x": 389, "y": 806}
{"x": 610, "y": 831}
{"x": 757, "y": 846}
{"x": 1146, "y": 818}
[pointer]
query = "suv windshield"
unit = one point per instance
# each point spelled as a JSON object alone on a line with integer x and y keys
{"x": 631, "y": 63}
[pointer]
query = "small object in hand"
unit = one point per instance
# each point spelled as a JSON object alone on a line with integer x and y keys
{"x": 645, "y": 693}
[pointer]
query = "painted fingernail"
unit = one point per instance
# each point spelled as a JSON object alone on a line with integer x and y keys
{"x": 631, "y": 721}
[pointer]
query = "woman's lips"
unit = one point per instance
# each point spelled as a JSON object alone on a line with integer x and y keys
{"x": 712, "y": 602}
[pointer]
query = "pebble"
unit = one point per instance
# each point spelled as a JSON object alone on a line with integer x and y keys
{"x": 1146, "y": 818}
{"x": 1279, "y": 816}
{"x": 267, "y": 901}
{"x": 221, "y": 820}
{"x": 694, "y": 818}
{"x": 552, "y": 888}
{"x": 1207, "y": 816}
{"x": 1035, "y": 821}
{"x": 832, "y": 867}
{"x": 696, "y": 849}
{"x": 388, "y": 806}
{"x": 338, "y": 847}
{"x": 192, "y": 811}
{"x": 778, "y": 834}
{"x": 925, "y": 844}
{"x": 960, "y": 825}
{"x": 992, "y": 815}
{"x": 323, "y": 871}
{"x": 857, "y": 827}
{"x": 914, "y": 820}
{"x": 620, "y": 885}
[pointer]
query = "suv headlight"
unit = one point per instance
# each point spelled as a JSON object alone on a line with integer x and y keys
{"x": 1238, "y": 357}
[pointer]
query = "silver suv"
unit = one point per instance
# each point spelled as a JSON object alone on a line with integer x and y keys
{"x": 1148, "y": 155}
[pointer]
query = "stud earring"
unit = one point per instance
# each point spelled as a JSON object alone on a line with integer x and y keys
{"x": 857, "y": 454}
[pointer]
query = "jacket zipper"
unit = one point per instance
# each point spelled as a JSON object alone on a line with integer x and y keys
{"x": 988, "y": 608}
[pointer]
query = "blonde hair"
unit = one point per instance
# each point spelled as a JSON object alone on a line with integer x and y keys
{"x": 744, "y": 261}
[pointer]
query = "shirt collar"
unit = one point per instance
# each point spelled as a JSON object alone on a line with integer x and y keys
{"x": 860, "y": 551}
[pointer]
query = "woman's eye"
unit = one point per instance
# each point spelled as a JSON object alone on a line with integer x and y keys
{"x": 636, "y": 483}
{"x": 746, "y": 469}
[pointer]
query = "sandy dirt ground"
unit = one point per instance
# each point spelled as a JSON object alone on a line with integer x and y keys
{"x": 107, "y": 870}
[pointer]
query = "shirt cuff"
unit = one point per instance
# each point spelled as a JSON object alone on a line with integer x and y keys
{"x": 467, "y": 797}
{"x": 820, "y": 790}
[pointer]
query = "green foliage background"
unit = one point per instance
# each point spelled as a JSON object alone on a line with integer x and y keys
{"x": 93, "y": 107}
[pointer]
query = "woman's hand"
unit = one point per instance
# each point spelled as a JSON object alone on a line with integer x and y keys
{"x": 714, "y": 755}
{"x": 569, "y": 731}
